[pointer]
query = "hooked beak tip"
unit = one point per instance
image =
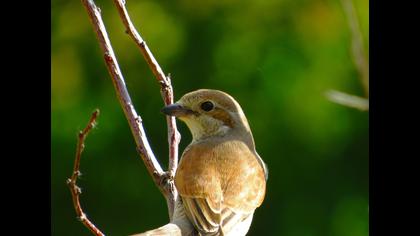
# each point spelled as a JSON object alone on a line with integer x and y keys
{"x": 174, "y": 110}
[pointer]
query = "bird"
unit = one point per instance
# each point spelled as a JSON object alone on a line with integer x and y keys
{"x": 221, "y": 179}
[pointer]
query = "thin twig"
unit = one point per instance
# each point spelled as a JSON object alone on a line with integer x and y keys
{"x": 167, "y": 96}
{"x": 71, "y": 182}
{"x": 359, "y": 55}
{"x": 134, "y": 120}
{"x": 348, "y": 100}
{"x": 360, "y": 60}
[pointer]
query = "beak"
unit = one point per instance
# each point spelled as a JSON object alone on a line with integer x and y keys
{"x": 176, "y": 110}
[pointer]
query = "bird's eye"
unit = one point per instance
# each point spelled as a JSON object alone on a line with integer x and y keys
{"x": 207, "y": 106}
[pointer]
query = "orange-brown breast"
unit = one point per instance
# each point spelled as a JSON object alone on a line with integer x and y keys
{"x": 225, "y": 170}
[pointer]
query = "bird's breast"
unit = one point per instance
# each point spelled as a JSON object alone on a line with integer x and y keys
{"x": 226, "y": 171}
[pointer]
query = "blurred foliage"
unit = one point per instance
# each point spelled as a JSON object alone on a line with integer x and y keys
{"x": 276, "y": 57}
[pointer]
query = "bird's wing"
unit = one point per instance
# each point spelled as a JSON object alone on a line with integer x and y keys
{"x": 206, "y": 218}
{"x": 211, "y": 221}
{"x": 220, "y": 185}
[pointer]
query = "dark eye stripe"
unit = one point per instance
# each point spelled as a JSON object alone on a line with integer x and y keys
{"x": 207, "y": 106}
{"x": 223, "y": 116}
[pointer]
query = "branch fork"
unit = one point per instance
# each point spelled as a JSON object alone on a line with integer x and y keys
{"x": 164, "y": 180}
{"x": 360, "y": 61}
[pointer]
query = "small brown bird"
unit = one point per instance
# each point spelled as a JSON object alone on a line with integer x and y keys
{"x": 221, "y": 179}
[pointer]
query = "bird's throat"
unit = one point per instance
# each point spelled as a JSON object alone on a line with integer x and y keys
{"x": 212, "y": 128}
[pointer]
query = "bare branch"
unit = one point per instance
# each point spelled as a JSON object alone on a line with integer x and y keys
{"x": 71, "y": 182}
{"x": 134, "y": 120}
{"x": 164, "y": 180}
{"x": 167, "y": 96}
{"x": 348, "y": 100}
{"x": 360, "y": 60}
{"x": 359, "y": 56}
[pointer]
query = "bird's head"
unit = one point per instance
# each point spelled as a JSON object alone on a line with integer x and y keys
{"x": 210, "y": 113}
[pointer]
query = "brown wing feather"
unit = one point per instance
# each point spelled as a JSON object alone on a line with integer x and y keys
{"x": 203, "y": 217}
{"x": 221, "y": 184}
{"x": 212, "y": 222}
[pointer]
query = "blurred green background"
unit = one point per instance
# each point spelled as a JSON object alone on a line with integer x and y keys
{"x": 276, "y": 57}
